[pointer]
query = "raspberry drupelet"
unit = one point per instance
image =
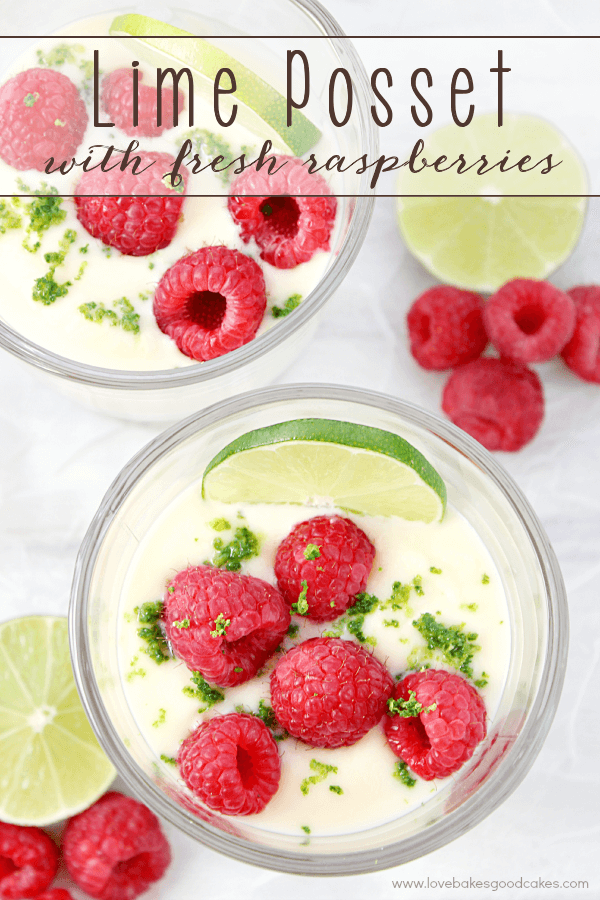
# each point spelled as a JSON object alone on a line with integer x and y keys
{"x": 325, "y": 560}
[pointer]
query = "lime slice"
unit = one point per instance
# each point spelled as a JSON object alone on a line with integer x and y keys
{"x": 325, "y": 462}
{"x": 481, "y": 242}
{"x": 51, "y": 765}
{"x": 261, "y": 108}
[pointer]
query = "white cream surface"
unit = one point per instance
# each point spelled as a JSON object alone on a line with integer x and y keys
{"x": 182, "y": 537}
{"x": 109, "y": 275}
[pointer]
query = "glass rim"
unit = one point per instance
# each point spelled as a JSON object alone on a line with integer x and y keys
{"x": 512, "y": 766}
{"x": 123, "y": 379}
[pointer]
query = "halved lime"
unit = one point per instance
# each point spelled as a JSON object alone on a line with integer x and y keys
{"x": 480, "y": 242}
{"x": 318, "y": 462}
{"x": 51, "y": 765}
{"x": 261, "y": 108}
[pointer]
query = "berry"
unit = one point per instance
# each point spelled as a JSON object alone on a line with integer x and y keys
{"x": 28, "y": 861}
{"x": 211, "y": 302}
{"x": 289, "y": 229}
{"x": 328, "y": 692}
{"x": 115, "y": 849}
{"x": 582, "y": 353}
{"x": 330, "y": 576}
{"x": 54, "y": 894}
{"x": 529, "y": 321}
{"x": 443, "y": 736}
{"x": 41, "y": 116}
{"x": 135, "y": 225}
{"x": 117, "y": 100}
{"x": 498, "y": 402}
{"x": 445, "y": 327}
{"x": 236, "y": 622}
{"x": 231, "y": 763}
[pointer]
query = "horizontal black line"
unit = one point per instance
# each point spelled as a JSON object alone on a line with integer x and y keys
{"x": 306, "y": 196}
{"x": 349, "y": 37}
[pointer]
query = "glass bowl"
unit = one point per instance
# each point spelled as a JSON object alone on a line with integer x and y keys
{"x": 168, "y": 395}
{"x": 477, "y": 487}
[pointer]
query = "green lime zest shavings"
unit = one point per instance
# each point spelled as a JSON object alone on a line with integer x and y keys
{"x": 181, "y": 623}
{"x": 266, "y": 714}
{"x": 485, "y": 579}
{"x": 322, "y": 770}
{"x": 408, "y": 708}
{"x": 59, "y": 55}
{"x": 305, "y": 829}
{"x": 221, "y": 625}
{"x": 148, "y": 615}
{"x": 162, "y": 715}
{"x": 456, "y": 647}
{"x": 335, "y": 788}
{"x": 203, "y": 691}
{"x": 435, "y": 571}
{"x": 402, "y": 774}
{"x": 9, "y": 218}
{"x": 399, "y": 598}
{"x": 312, "y": 551}
{"x": 30, "y": 99}
{"x": 481, "y": 682}
{"x": 418, "y": 586}
{"x": 362, "y": 606}
{"x": 244, "y": 545}
{"x": 293, "y": 630}
{"x": 290, "y": 304}
{"x": 170, "y": 760}
{"x": 208, "y": 146}
{"x": 300, "y": 607}
{"x": 123, "y": 314}
{"x": 220, "y": 525}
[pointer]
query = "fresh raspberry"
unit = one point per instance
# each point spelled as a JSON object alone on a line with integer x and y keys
{"x": 55, "y": 894}
{"x": 445, "y": 327}
{"x": 115, "y": 849}
{"x": 328, "y": 574}
{"x": 289, "y": 229}
{"x": 117, "y": 100}
{"x": 135, "y": 225}
{"x": 28, "y": 861}
{"x": 236, "y": 622}
{"x": 438, "y": 740}
{"x": 500, "y": 403}
{"x": 582, "y": 353}
{"x": 529, "y": 321}
{"x": 41, "y": 115}
{"x": 231, "y": 763}
{"x": 328, "y": 692}
{"x": 211, "y": 302}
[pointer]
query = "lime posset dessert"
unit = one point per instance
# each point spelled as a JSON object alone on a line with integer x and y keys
{"x": 426, "y": 597}
{"x": 478, "y": 231}
{"x": 52, "y": 765}
{"x": 95, "y": 276}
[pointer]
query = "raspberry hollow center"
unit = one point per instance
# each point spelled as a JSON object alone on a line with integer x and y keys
{"x": 245, "y": 767}
{"x": 282, "y": 214}
{"x": 207, "y": 309}
{"x": 530, "y": 319}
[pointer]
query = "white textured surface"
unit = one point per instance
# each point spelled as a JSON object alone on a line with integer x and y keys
{"x": 57, "y": 460}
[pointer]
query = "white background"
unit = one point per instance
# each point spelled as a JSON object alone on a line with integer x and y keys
{"x": 57, "y": 460}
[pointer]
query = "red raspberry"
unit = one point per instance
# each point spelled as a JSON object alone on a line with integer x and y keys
{"x": 28, "y": 861}
{"x": 55, "y": 894}
{"x": 115, "y": 849}
{"x": 434, "y": 744}
{"x": 211, "y": 302}
{"x": 231, "y": 763}
{"x": 529, "y": 321}
{"x": 41, "y": 115}
{"x": 328, "y": 692}
{"x": 236, "y": 622}
{"x": 445, "y": 327}
{"x": 289, "y": 229}
{"x": 117, "y": 100}
{"x": 500, "y": 403}
{"x": 582, "y": 353}
{"x": 135, "y": 225}
{"x": 330, "y": 580}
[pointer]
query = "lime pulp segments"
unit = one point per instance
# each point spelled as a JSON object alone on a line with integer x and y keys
{"x": 353, "y": 467}
{"x": 261, "y": 108}
{"x": 51, "y": 765}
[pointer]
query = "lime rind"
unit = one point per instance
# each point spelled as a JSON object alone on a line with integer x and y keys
{"x": 363, "y": 481}
{"x": 262, "y": 102}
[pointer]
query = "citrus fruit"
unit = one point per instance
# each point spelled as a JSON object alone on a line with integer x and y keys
{"x": 479, "y": 242}
{"x": 261, "y": 108}
{"x": 326, "y": 462}
{"x": 51, "y": 765}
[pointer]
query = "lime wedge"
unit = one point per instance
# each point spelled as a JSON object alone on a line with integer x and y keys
{"x": 261, "y": 108}
{"x": 325, "y": 462}
{"x": 51, "y": 765}
{"x": 480, "y": 242}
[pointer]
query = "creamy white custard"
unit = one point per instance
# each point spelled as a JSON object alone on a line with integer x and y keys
{"x": 109, "y": 275}
{"x": 459, "y": 582}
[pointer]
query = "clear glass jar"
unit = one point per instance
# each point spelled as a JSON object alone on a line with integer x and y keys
{"x": 477, "y": 487}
